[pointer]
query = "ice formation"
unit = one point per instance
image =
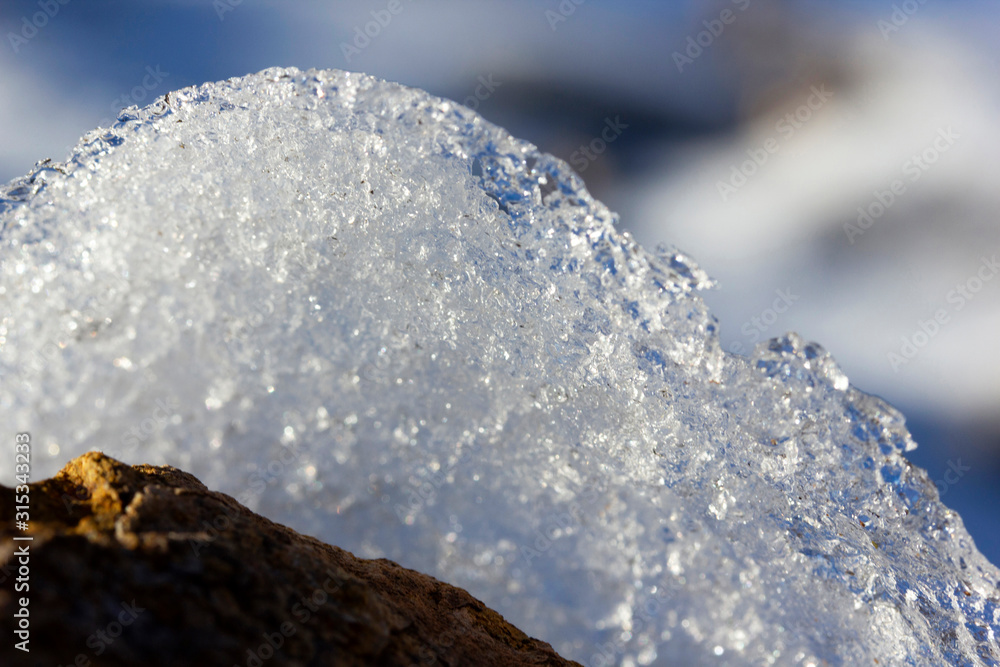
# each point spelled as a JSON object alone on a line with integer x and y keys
{"x": 369, "y": 313}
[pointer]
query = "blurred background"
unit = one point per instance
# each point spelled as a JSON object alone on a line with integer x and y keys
{"x": 835, "y": 167}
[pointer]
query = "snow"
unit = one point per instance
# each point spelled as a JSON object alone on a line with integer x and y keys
{"x": 370, "y": 314}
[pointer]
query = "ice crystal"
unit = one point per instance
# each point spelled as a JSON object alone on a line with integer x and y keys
{"x": 368, "y": 313}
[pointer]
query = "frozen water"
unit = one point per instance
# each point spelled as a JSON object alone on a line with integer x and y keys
{"x": 368, "y": 313}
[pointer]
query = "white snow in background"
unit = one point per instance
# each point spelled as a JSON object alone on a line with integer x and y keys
{"x": 794, "y": 223}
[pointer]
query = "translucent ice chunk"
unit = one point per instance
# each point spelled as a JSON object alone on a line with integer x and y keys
{"x": 368, "y": 313}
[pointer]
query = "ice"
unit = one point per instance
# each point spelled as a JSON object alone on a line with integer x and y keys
{"x": 369, "y": 313}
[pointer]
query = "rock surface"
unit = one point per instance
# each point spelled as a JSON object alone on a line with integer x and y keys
{"x": 145, "y": 565}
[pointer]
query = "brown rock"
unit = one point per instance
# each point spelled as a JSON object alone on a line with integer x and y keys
{"x": 123, "y": 571}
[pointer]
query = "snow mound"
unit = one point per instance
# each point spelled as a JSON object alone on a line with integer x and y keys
{"x": 370, "y": 314}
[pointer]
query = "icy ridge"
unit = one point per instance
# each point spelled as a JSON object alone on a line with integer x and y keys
{"x": 371, "y": 314}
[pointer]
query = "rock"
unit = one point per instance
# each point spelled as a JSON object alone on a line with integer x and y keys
{"x": 145, "y": 565}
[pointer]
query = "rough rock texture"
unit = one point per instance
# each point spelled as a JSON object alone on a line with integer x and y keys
{"x": 145, "y": 565}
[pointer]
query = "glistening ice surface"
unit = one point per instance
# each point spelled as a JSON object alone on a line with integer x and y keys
{"x": 370, "y": 314}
